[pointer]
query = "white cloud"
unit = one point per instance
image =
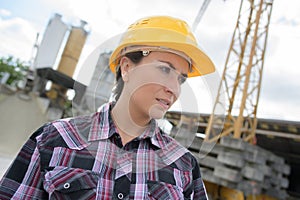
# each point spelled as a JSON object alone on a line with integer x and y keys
{"x": 279, "y": 110}
{"x": 18, "y": 37}
{"x": 287, "y": 10}
{"x": 5, "y": 13}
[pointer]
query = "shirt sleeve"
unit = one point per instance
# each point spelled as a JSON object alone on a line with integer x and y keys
{"x": 23, "y": 178}
{"x": 198, "y": 185}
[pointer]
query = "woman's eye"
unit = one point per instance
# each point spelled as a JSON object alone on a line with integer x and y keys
{"x": 181, "y": 79}
{"x": 165, "y": 69}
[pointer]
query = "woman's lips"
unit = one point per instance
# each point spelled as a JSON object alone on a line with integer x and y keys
{"x": 165, "y": 103}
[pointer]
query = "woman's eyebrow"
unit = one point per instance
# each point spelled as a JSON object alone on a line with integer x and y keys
{"x": 171, "y": 65}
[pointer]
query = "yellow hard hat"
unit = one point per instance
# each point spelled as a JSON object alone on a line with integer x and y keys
{"x": 166, "y": 33}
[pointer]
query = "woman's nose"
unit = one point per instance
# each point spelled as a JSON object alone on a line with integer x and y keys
{"x": 172, "y": 86}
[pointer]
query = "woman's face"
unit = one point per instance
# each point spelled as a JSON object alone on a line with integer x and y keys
{"x": 153, "y": 84}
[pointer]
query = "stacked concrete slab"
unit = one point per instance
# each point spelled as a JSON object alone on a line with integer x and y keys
{"x": 239, "y": 165}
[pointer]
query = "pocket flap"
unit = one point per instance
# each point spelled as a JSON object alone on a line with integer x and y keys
{"x": 66, "y": 180}
{"x": 162, "y": 190}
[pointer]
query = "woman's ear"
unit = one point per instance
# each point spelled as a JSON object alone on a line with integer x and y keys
{"x": 125, "y": 64}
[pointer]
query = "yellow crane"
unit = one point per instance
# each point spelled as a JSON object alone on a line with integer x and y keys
{"x": 240, "y": 84}
{"x": 242, "y": 75}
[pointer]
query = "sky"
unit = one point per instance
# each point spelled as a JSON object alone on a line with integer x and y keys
{"x": 20, "y": 21}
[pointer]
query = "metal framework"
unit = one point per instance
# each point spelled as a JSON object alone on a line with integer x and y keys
{"x": 242, "y": 75}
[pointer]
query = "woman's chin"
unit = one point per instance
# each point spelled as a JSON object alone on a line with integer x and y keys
{"x": 157, "y": 112}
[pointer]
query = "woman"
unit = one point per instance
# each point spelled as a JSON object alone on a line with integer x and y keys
{"x": 119, "y": 152}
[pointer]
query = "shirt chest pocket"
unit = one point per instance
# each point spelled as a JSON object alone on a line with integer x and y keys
{"x": 161, "y": 190}
{"x": 70, "y": 183}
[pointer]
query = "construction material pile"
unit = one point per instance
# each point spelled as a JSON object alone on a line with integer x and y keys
{"x": 239, "y": 165}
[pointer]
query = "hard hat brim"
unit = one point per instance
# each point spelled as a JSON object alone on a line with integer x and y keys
{"x": 201, "y": 63}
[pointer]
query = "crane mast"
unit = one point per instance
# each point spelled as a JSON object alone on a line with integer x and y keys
{"x": 241, "y": 79}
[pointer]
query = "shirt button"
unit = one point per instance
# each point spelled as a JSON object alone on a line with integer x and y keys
{"x": 67, "y": 185}
{"x": 120, "y": 196}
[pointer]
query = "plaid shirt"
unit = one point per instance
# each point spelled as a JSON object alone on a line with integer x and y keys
{"x": 83, "y": 158}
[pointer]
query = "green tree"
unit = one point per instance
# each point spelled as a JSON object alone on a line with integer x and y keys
{"x": 16, "y": 69}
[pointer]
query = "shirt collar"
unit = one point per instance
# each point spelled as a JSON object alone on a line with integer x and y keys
{"x": 103, "y": 127}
